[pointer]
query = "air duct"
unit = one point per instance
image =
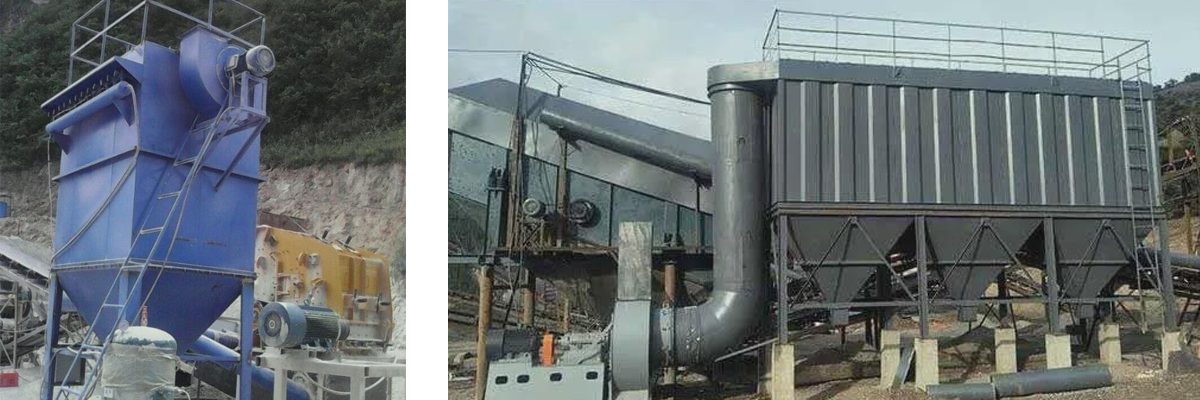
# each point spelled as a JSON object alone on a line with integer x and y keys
{"x": 665, "y": 158}
{"x": 697, "y": 334}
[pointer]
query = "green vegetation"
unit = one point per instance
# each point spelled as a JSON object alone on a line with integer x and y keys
{"x": 336, "y": 96}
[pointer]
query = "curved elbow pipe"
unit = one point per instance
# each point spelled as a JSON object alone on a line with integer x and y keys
{"x": 58, "y": 127}
{"x": 698, "y": 334}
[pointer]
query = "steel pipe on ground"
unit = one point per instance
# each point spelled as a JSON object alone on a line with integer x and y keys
{"x": 962, "y": 391}
{"x": 1052, "y": 380}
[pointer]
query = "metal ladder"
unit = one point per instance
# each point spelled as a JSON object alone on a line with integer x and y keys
{"x": 1141, "y": 169}
{"x": 213, "y": 132}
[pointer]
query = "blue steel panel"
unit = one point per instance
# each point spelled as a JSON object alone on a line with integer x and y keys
{"x": 183, "y": 304}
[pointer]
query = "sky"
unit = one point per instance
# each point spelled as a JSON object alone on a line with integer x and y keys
{"x": 670, "y": 45}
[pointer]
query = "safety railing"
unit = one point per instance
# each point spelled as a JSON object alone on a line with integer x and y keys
{"x": 908, "y": 43}
{"x": 122, "y": 31}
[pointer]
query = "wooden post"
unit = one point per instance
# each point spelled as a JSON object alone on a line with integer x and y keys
{"x": 566, "y": 314}
{"x": 481, "y": 328}
{"x": 1187, "y": 226}
{"x": 527, "y": 299}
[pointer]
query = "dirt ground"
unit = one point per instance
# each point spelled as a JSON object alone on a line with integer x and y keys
{"x": 827, "y": 368}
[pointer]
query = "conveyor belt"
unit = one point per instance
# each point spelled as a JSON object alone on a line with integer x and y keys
{"x": 27, "y": 266}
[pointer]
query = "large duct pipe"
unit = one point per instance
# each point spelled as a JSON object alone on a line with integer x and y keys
{"x": 698, "y": 334}
{"x": 679, "y": 162}
{"x": 1052, "y": 380}
{"x": 1184, "y": 260}
{"x": 223, "y": 376}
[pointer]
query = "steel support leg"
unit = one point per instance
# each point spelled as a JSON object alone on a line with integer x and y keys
{"x": 53, "y": 316}
{"x": 1166, "y": 281}
{"x": 246, "y": 340}
{"x": 1051, "y": 286}
{"x": 781, "y": 278}
{"x": 922, "y": 277}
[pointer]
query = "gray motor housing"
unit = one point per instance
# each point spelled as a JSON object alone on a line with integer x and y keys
{"x": 290, "y": 325}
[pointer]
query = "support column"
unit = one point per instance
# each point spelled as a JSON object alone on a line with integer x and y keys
{"x": 889, "y": 357}
{"x": 670, "y": 272}
{"x": 565, "y": 325}
{"x": 1058, "y": 351}
{"x": 528, "y": 304}
{"x": 1187, "y": 226}
{"x": 53, "y": 316}
{"x": 927, "y": 362}
{"x": 1058, "y": 345}
{"x": 1170, "y": 345}
{"x": 280, "y": 388}
{"x": 481, "y": 327}
{"x": 922, "y": 277}
{"x": 1051, "y": 271}
{"x": 782, "y": 385}
{"x": 926, "y": 347}
{"x": 1170, "y": 335}
{"x": 1110, "y": 343}
{"x": 1006, "y": 350}
{"x": 246, "y": 345}
{"x": 783, "y": 234}
{"x": 358, "y": 384}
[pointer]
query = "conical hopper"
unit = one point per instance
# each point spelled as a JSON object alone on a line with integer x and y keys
{"x": 849, "y": 258}
{"x": 1085, "y": 268}
{"x": 183, "y": 304}
{"x": 970, "y": 254}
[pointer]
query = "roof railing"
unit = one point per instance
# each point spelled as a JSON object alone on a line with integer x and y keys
{"x": 102, "y": 36}
{"x": 910, "y": 43}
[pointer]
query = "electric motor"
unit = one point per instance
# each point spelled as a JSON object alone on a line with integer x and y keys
{"x": 582, "y": 212}
{"x": 259, "y": 60}
{"x": 290, "y": 325}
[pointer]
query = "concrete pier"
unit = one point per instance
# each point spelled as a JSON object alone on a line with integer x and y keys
{"x": 1006, "y": 350}
{"x": 927, "y": 362}
{"x": 1170, "y": 344}
{"x": 1110, "y": 343}
{"x": 1058, "y": 351}
{"x": 889, "y": 357}
{"x": 782, "y": 382}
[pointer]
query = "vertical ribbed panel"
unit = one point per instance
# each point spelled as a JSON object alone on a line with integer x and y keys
{"x": 850, "y": 142}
